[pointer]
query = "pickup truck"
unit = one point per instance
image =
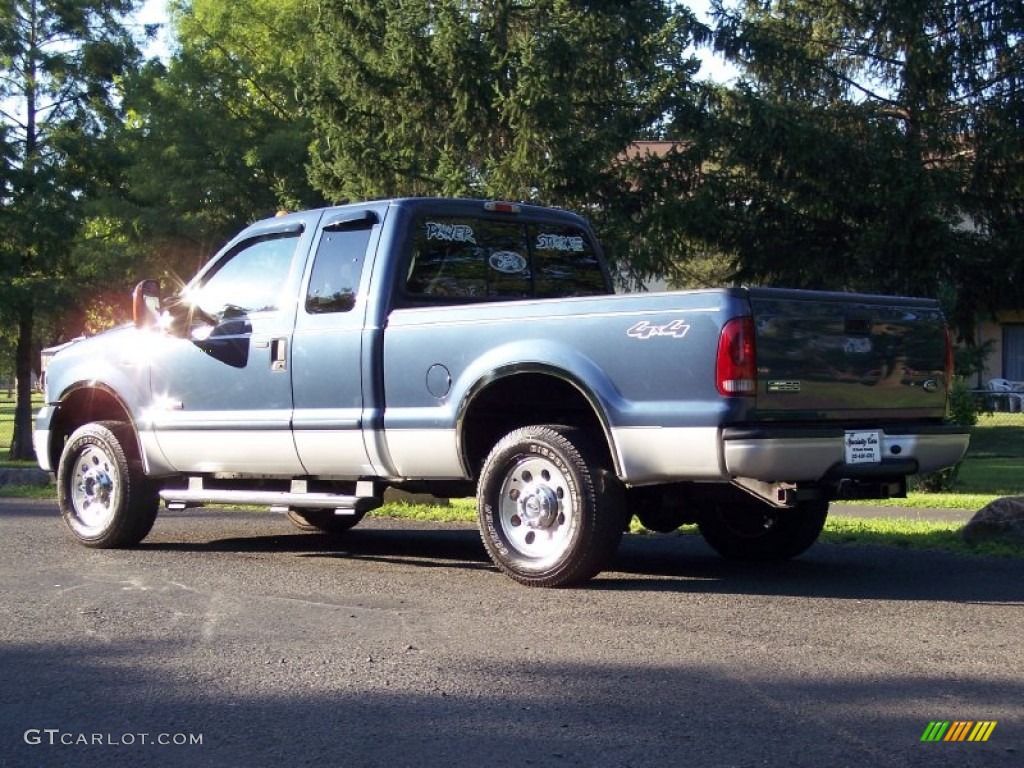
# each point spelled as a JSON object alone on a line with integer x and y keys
{"x": 469, "y": 347}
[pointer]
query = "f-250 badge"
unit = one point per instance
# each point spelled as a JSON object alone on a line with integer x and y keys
{"x": 644, "y": 330}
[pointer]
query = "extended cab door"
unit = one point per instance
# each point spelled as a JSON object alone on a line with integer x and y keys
{"x": 330, "y": 344}
{"x": 222, "y": 391}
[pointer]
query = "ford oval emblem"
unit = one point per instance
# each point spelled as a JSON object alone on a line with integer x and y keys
{"x": 507, "y": 262}
{"x": 930, "y": 386}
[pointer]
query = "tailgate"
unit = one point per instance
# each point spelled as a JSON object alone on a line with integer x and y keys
{"x": 848, "y": 356}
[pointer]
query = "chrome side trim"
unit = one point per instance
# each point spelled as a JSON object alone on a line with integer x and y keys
{"x": 253, "y": 451}
{"x": 650, "y": 455}
{"x": 425, "y": 453}
{"x": 154, "y": 462}
{"x": 333, "y": 452}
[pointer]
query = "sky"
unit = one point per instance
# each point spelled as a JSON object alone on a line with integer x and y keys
{"x": 155, "y": 12}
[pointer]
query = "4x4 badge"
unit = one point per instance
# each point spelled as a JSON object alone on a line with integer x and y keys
{"x": 644, "y": 330}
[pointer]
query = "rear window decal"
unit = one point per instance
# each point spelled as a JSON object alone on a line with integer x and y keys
{"x": 452, "y": 233}
{"x": 507, "y": 262}
{"x": 568, "y": 243}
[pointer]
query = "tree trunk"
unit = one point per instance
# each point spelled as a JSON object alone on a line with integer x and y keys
{"x": 21, "y": 444}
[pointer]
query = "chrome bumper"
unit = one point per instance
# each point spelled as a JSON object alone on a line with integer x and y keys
{"x": 797, "y": 454}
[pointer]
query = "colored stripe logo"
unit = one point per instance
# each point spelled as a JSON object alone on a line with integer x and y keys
{"x": 958, "y": 730}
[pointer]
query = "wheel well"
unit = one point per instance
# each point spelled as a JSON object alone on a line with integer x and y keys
{"x": 521, "y": 400}
{"x": 79, "y": 407}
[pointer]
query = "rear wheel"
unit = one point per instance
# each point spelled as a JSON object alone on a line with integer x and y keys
{"x": 103, "y": 494}
{"x": 324, "y": 520}
{"x": 748, "y": 529}
{"x": 551, "y": 514}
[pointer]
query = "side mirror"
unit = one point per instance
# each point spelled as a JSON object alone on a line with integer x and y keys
{"x": 146, "y": 304}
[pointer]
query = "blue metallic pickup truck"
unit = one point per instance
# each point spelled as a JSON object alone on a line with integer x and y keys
{"x": 464, "y": 347}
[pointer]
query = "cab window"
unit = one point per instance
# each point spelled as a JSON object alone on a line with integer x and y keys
{"x": 337, "y": 269}
{"x": 250, "y": 278}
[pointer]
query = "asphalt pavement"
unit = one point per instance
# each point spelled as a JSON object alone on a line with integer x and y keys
{"x": 227, "y": 638}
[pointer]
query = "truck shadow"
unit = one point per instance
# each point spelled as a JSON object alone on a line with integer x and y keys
{"x": 672, "y": 563}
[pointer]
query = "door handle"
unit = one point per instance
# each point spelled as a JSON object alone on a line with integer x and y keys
{"x": 278, "y": 354}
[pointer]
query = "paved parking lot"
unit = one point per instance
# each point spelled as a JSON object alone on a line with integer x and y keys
{"x": 400, "y": 645}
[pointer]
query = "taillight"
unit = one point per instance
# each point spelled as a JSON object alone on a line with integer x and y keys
{"x": 736, "y": 368}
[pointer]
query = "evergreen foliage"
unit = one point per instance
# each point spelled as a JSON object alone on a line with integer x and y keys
{"x": 529, "y": 101}
{"x": 59, "y": 64}
{"x": 874, "y": 146}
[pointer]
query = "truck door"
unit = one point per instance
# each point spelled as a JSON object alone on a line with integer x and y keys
{"x": 329, "y": 345}
{"x": 222, "y": 392}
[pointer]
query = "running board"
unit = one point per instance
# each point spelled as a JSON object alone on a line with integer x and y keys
{"x": 278, "y": 501}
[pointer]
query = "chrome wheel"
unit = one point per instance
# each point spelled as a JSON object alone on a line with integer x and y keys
{"x": 536, "y": 509}
{"x": 551, "y": 514}
{"x": 95, "y": 492}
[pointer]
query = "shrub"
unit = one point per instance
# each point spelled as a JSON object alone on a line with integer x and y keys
{"x": 963, "y": 410}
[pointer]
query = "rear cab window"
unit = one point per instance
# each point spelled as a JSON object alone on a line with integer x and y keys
{"x": 461, "y": 259}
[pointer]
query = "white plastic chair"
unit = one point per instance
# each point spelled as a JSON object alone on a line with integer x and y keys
{"x": 1008, "y": 391}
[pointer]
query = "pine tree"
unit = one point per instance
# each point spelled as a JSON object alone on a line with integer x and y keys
{"x": 874, "y": 146}
{"x": 529, "y": 101}
{"x": 59, "y": 62}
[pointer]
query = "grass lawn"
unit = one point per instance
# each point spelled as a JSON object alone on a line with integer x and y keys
{"x": 998, "y": 436}
{"x": 912, "y": 534}
{"x": 7, "y": 427}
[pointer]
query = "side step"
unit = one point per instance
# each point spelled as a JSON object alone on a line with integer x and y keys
{"x": 278, "y": 501}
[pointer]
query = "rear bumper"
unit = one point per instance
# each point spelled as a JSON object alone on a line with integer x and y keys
{"x": 802, "y": 454}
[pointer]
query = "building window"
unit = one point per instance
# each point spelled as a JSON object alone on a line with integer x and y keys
{"x": 1013, "y": 352}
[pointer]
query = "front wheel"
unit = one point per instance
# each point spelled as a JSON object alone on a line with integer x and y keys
{"x": 551, "y": 514}
{"x": 103, "y": 494}
{"x": 748, "y": 529}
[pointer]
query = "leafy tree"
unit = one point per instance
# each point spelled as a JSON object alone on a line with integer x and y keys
{"x": 214, "y": 135}
{"x": 59, "y": 62}
{"x": 873, "y": 146}
{"x": 533, "y": 101}
{"x": 244, "y": 61}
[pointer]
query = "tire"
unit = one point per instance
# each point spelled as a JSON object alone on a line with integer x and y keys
{"x": 103, "y": 494}
{"x": 551, "y": 514}
{"x": 749, "y": 529}
{"x": 324, "y": 520}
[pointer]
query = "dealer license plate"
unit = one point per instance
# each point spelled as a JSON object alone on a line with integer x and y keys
{"x": 863, "y": 447}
